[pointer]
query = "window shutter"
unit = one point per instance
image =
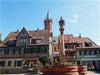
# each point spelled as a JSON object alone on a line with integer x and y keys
{"x": 38, "y": 49}
{"x": 45, "y": 49}
{"x": 15, "y": 63}
{"x": 9, "y": 63}
{"x": 7, "y": 51}
{"x": 3, "y": 63}
{"x": 21, "y": 63}
{"x": 31, "y": 50}
{"x": 19, "y": 50}
{"x": 14, "y": 51}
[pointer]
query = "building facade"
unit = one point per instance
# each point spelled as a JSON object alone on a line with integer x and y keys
{"x": 81, "y": 51}
{"x": 20, "y": 50}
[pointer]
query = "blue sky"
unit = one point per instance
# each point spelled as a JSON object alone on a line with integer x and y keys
{"x": 81, "y": 16}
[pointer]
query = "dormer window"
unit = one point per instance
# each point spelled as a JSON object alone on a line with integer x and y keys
{"x": 36, "y": 41}
{"x": 11, "y": 43}
{"x": 88, "y": 44}
{"x": 80, "y": 45}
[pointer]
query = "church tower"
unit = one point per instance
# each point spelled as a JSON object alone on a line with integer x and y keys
{"x": 48, "y": 26}
{"x": 48, "y": 23}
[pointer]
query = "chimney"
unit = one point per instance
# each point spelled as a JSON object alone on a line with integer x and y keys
{"x": 17, "y": 30}
{"x": 37, "y": 29}
{"x": 79, "y": 35}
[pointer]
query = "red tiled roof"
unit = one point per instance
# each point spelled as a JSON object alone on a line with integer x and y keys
{"x": 70, "y": 39}
{"x": 44, "y": 34}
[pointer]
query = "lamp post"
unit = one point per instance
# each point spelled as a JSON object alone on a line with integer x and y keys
{"x": 61, "y": 29}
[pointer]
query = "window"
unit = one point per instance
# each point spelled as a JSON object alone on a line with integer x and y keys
{"x": 18, "y": 63}
{"x": 36, "y": 41}
{"x": 42, "y": 50}
{"x": 86, "y": 52}
{"x": 89, "y": 44}
{"x": 54, "y": 48}
{"x": 35, "y": 50}
{"x": 81, "y": 53}
{"x": 69, "y": 46}
{"x": 6, "y": 51}
{"x": 80, "y": 45}
{"x": 11, "y": 51}
{"x": 23, "y": 32}
{"x": 11, "y": 43}
{"x": 22, "y": 40}
{"x": 70, "y": 53}
{"x": 2, "y": 63}
{"x": 2, "y": 51}
{"x": 99, "y": 52}
{"x": 90, "y": 52}
{"x": 9, "y": 63}
{"x": 27, "y": 50}
{"x": 95, "y": 52}
{"x": 17, "y": 50}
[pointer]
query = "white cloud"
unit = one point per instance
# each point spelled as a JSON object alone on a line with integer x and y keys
{"x": 73, "y": 20}
{"x": 98, "y": 44}
{"x": 92, "y": 13}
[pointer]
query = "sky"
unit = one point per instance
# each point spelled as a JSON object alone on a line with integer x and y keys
{"x": 81, "y": 16}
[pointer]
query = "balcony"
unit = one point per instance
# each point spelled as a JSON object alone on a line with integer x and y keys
{"x": 71, "y": 57}
{"x": 70, "y": 50}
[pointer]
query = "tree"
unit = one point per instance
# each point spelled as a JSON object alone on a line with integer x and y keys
{"x": 44, "y": 59}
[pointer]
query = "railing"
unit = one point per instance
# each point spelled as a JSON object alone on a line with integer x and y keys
{"x": 23, "y": 55}
{"x": 71, "y": 57}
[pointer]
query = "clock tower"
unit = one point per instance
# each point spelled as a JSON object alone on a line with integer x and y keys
{"x": 48, "y": 26}
{"x": 48, "y": 23}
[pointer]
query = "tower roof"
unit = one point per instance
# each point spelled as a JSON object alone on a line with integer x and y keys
{"x": 48, "y": 16}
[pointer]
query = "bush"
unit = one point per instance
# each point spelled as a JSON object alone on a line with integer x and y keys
{"x": 44, "y": 59}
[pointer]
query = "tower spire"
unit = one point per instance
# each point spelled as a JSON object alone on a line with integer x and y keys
{"x": 48, "y": 15}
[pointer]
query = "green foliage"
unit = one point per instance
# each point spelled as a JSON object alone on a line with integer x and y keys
{"x": 44, "y": 59}
{"x": 57, "y": 63}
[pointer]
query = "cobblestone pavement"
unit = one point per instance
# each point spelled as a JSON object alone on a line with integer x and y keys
{"x": 93, "y": 72}
{"x": 89, "y": 73}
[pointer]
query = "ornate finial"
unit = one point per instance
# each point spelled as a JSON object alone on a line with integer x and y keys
{"x": 61, "y": 18}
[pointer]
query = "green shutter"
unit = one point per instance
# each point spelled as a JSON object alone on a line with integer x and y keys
{"x": 3, "y": 63}
{"x": 15, "y": 63}
{"x": 19, "y": 50}
{"x": 7, "y": 51}
{"x": 9, "y": 63}
{"x": 21, "y": 63}
{"x": 31, "y": 50}
{"x": 45, "y": 49}
{"x": 13, "y": 50}
{"x": 38, "y": 49}
{"x": 24, "y": 50}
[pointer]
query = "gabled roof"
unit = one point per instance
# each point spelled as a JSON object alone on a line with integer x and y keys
{"x": 70, "y": 39}
{"x": 26, "y": 32}
{"x": 11, "y": 36}
{"x": 44, "y": 34}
